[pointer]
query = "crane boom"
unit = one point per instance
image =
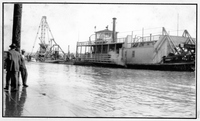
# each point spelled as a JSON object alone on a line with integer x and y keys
{"x": 47, "y": 49}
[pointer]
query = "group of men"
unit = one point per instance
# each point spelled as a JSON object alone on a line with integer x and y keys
{"x": 15, "y": 63}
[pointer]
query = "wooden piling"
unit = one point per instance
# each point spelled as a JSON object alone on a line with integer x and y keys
{"x": 17, "y": 16}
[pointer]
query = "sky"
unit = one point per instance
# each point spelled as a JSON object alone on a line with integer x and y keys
{"x": 70, "y": 23}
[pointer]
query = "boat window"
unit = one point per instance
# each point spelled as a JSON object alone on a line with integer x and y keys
{"x": 102, "y": 36}
{"x": 154, "y": 42}
{"x": 108, "y": 35}
{"x": 141, "y": 44}
{"x": 135, "y": 45}
{"x": 133, "y": 53}
{"x": 98, "y": 35}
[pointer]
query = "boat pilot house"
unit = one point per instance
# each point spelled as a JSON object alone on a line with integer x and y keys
{"x": 105, "y": 42}
{"x": 162, "y": 51}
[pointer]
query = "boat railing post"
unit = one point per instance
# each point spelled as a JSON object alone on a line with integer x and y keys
{"x": 91, "y": 52}
{"x": 108, "y": 48}
{"x": 81, "y": 52}
{"x": 101, "y": 51}
{"x": 115, "y": 47}
{"x": 150, "y": 36}
{"x": 77, "y": 49}
{"x": 132, "y": 37}
{"x": 142, "y": 34}
{"x": 68, "y": 50}
{"x": 163, "y": 30}
{"x": 95, "y": 53}
{"x": 85, "y": 52}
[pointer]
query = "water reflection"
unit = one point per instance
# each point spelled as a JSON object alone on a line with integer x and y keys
{"x": 14, "y": 103}
{"x": 68, "y": 90}
{"x": 119, "y": 92}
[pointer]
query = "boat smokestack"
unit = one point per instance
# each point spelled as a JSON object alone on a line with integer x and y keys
{"x": 113, "y": 35}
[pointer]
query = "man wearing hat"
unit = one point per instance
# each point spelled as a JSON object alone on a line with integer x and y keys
{"x": 23, "y": 69}
{"x": 13, "y": 62}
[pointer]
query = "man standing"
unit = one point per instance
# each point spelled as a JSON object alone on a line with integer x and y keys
{"x": 23, "y": 69}
{"x": 13, "y": 63}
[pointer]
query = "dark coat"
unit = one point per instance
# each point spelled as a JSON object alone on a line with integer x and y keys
{"x": 23, "y": 66}
{"x": 13, "y": 61}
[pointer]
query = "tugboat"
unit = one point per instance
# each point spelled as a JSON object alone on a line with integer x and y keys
{"x": 156, "y": 52}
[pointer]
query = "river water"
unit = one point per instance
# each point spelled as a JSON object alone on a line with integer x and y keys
{"x": 55, "y": 89}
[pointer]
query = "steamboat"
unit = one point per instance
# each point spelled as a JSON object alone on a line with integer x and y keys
{"x": 155, "y": 52}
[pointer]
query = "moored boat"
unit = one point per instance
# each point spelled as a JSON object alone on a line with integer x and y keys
{"x": 157, "y": 52}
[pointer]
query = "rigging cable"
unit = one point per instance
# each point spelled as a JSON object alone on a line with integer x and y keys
{"x": 36, "y": 38}
{"x": 54, "y": 40}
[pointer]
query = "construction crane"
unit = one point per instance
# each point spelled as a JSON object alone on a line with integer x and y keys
{"x": 48, "y": 48}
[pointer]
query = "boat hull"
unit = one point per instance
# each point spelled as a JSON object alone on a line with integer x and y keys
{"x": 164, "y": 66}
{"x": 161, "y": 67}
{"x": 112, "y": 65}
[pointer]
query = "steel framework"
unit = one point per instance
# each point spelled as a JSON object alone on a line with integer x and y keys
{"x": 48, "y": 48}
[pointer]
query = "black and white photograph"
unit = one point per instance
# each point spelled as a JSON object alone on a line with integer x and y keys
{"x": 99, "y": 60}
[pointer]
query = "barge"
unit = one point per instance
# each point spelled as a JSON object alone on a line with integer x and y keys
{"x": 156, "y": 52}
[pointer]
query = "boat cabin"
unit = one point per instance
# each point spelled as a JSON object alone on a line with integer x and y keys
{"x": 104, "y": 36}
{"x": 108, "y": 48}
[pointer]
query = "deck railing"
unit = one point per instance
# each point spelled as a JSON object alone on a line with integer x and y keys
{"x": 109, "y": 41}
{"x": 146, "y": 38}
{"x": 119, "y": 40}
{"x": 96, "y": 58}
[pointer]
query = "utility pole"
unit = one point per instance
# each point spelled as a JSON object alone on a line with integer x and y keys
{"x": 17, "y": 16}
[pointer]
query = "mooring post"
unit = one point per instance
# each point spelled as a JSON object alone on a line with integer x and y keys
{"x": 17, "y": 16}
